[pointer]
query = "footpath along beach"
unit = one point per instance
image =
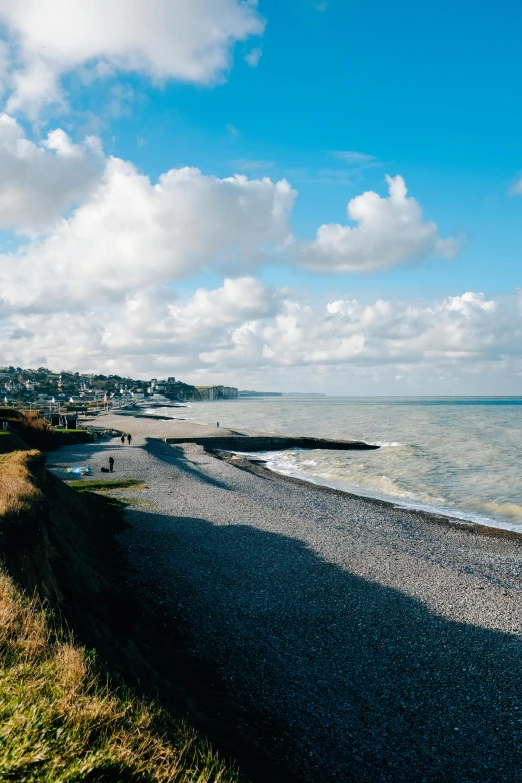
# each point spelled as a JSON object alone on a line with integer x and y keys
{"x": 352, "y": 640}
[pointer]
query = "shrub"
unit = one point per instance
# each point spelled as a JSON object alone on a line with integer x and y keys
{"x": 10, "y": 413}
{"x": 38, "y": 434}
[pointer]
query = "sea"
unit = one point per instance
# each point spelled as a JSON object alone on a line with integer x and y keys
{"x": 459, "y": 456}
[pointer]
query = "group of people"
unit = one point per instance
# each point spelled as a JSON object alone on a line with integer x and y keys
{"x": 111, "y": 459}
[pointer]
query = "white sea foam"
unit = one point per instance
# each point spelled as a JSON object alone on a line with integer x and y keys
{"x": 384, "y": 445}
{"x": 452, "y": 456}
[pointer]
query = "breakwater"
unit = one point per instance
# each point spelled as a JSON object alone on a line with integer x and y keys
{"x": 270, "y": 443}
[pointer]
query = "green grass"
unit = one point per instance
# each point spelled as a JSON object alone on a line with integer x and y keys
{"x": 109, "y": 511}
{"x": 63, "y": 719}
{"x": 69, "y": 437}
{"x": 37, "y": 434}
{"x": 61, "y": 723}
{"x": 10, "y": 413}
{"x": 104, "y": 486}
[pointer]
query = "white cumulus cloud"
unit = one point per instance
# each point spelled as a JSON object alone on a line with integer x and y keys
{"x": 165, "y": 39}
{"x": 130, "y": 233}
{"x": 39, "y": 182}
{"x": 153, "y": 317}
{"x": 253, "y": 57}
{"x": 245, "y": 328}
{"x": 389, "y": 231}
{"x": 464, "y": 333}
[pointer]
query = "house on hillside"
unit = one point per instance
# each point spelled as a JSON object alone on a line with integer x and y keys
{"x": 14, "y": 386}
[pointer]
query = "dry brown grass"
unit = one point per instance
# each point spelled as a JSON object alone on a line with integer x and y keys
{"x": 19, "y": 495}
{"x": 36, "y": 433}
{"x": 60, "y": 720}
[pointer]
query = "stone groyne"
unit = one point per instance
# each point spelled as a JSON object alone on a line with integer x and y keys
{"x": 269, "y": 443}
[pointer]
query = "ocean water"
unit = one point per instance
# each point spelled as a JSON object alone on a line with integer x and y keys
{"x": 456, "y": 455}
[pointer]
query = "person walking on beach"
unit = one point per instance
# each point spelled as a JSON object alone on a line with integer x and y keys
{"x": 111, "y": 464}
{"x": 122, "y": 439}
{"x": 217, "y": 424}
{"x": 129, "y": 438}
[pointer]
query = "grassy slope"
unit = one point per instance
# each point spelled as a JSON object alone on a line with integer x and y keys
{"x": 59, "y": 722}
{"x": 9, "y": 442}
{"x": 28, "y": 430}
{"x": 59, "y": 719}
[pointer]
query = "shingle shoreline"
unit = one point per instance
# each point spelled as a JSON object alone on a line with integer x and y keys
{"x": 356, "y": 641}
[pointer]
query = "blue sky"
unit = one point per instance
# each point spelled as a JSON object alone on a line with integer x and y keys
{"x": 429, "y": 90}
{"x": 341, "y": 94}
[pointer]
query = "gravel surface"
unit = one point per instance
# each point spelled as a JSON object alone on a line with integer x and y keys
{"x": 378, "y": 644}
{"x": 142, "y": 426}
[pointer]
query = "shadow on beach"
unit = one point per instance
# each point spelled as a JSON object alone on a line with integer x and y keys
{"x": 175, "y": 455}
{"x": 336, "y": 676}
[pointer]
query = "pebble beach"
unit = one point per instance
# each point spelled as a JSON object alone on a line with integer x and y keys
{"x": 357, "y": 641}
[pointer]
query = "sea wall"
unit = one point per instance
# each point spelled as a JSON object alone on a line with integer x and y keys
{"x": 270, "y": 443}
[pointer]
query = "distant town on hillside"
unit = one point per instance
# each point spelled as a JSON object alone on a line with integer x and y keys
{"x": 43, "y": 387}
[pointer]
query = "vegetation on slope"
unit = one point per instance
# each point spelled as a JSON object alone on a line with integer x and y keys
{"x": 9, "y": 442}
{"x": 61, "y": 718}
{"x": 106, "y": 486}
{"x": 38, "y": 434}
{"x": 60, "y": 723}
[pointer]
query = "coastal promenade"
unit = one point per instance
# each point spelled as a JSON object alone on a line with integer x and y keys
{"x": 351, "y": 640}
